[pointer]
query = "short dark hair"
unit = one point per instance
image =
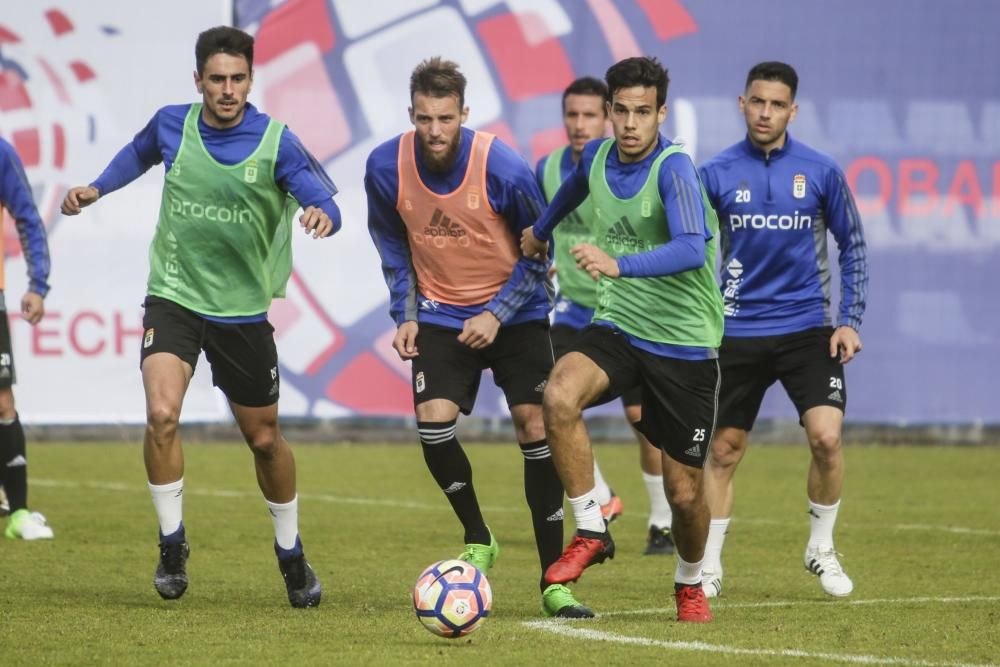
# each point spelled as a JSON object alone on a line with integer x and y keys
{"x": 586, "y": 85}
{"x": 438, "y": 77}
{"x": 645, "y": 71}
{"x": 222, "y": 39}
{"x": 774, "y": 71}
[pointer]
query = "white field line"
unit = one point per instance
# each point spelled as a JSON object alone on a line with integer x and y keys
{"x": 409, "y": 504}
{"x": 571, "y": 629}
{"x": 220, "y": 493}
{"x": 722, "y": 604}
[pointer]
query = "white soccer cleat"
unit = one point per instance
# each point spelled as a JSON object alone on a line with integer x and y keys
{"x": 824, "y": 564}
{"x": 27, "y": 525}
{"x": 711, "y": 582}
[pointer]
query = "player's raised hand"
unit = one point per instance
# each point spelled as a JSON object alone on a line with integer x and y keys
{"x": 316, "y": 222}
{"x": 405, "y": 340}
{"x": 479, "y": 331}
{"x": 32, "y": 307}
{"x": 79, "y": 198}
{"x": 845, "y": 343}
{"x": 531, "y": 247}
{"x": 595, "y": 261}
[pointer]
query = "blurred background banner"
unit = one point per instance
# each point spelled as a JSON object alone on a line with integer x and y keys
{"x": 902, "y": 93}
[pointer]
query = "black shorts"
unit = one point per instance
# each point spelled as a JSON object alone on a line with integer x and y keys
{"x": 801, "y": 361}
{"x": 679, "y": 396}
{"x": 564, "y": 338}
{"x": 243, "y": 357}
{"x": 7, "y": 374}
{"x": 520, "y": 358}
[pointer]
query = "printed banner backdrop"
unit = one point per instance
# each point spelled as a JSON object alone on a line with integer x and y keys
{"x": 900, "y": 92}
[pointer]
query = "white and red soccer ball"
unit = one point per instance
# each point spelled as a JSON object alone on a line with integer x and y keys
{"x": 452, "y": 598}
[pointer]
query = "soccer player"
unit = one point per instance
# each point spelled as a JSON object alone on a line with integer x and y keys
{"x": 658, "y": 322}
{"x": 234, "y": 178}
{"x": 15, "y": 196}
{"x": 585, "y": 118}
{"x": 446, "y": 206}
{"x": 776, "y": 200}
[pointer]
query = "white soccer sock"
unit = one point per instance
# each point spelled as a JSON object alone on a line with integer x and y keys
{"x": 687, "y": 573}
{"x": 821, "y": 521}
{"x": 587, "y": 512}
{"x": 285, "y": 517}
{"x": 168, "y": 500}
{"x": 717, "y": 530}
{"x": 660, "y": 514}
{"x": 601, "y": 487}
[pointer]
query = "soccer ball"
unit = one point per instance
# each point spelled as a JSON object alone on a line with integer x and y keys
{"x": 452, "y": 598}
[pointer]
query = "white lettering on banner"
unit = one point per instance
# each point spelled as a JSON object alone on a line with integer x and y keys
{"x": 86, "y": 333}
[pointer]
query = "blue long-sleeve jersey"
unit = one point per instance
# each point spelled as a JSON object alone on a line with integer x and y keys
{"x": 512, "y": 192}
{"x": 680, "y": 192}
{"x": 774, "y": 213}
{"x": 15, "y": 196}
{"x": 296, "y": 171}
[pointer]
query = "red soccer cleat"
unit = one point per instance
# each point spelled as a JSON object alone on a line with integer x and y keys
{"x": 586, "y": 548}
{"x": 692, "y": 605}
{"x": 613, "y": 509}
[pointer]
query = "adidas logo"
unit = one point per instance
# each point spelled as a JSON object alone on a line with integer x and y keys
{"x": 590, "y": 505}
{"x": 17, "y": 462}
{"x": 455, "y": 486}
{"x": 558, "y": 516}
{"x": 541, "y": 386}
{"x": 623, "y": 235}
{"x": 835, "y": 396}
{"x": 693, "y": 451}
{"x": 812, "y": 513}
{"x": 442, "y": 226}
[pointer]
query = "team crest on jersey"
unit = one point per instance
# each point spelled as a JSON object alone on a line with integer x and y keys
{"x": 250, "y": 172}
{"x": 420, "y": 383}
{"x": 799, "y": 186}
{"x": 407, "y": 204}
{"x": 147, "y": 340}
{"x": 647, "y": 207}
{"x": 472, "y": 199}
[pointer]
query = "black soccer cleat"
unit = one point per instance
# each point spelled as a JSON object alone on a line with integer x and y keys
{"x": 304, "y": 589}
{"x": 659, "y": 542}
{"x": 171, "y": 578}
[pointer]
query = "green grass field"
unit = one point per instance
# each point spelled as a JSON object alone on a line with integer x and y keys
{"x": 919, "y": 531}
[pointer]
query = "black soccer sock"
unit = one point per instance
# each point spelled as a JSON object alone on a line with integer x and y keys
{"x": 14, "y": 464}
{"x": 544, "y": 493}
{"x": 452, "y": 471}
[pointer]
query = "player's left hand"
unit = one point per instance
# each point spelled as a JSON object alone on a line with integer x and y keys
{"x": 479, "y": 331}
{"x": 595, "y": 261}
{"x": 845, "y": 343}
{"x": 531, "y": 247}
{"x": 32, "y": 308}
{"x": 317, "y": 222}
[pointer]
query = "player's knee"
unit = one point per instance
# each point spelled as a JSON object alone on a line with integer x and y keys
{"x": 684, "y": 497}
{"x": 529, "y": 425}
{"x": 825, "y": 444}
{"x": 162, "y": 419}
{"x": 726, "y": 451}
{"x": 263, "y": 443}
{"x": 559, "y": 405}
{"x": 7, "y": 409}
